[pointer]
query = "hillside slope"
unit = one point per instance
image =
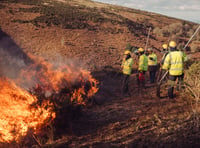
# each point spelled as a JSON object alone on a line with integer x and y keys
{"x": 82, "y": 30}
{"x": 94, "y": 36}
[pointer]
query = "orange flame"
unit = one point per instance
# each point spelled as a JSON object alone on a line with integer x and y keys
{"x": 53, "y": 79}
{"x": 17, "y": 115}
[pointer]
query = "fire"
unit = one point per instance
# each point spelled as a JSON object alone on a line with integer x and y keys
{"x": 52, "y": 79}
{"x": 16, "y": 114}
{"x": 30, "y": 101}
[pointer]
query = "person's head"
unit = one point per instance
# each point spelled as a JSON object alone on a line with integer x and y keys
{"x": 141, "y": 51}
{"x": 164, "y": 47}
{"x": 127, "y": 54}
{"x": 135, "y": 51}
{"x": 150, "y": 50}
{"x": 172, "y": 45}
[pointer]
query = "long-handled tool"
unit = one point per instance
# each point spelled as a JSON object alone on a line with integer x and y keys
{"x": 158, "y": 93}
{"x": 165, "y": 74}
{"x": 147, "y": 38}
{"x": 192, "y": 37}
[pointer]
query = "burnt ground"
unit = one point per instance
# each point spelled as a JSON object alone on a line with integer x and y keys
{"x": 140, "y": 120}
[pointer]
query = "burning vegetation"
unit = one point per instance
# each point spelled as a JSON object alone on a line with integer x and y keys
{"x": 36, "y": 97}
{"x": 17, "y": 114}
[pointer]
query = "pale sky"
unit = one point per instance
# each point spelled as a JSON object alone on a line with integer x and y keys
{"x": 183, "y": 9}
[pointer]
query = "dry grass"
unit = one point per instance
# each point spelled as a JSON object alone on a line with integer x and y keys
{"x": 193, "y": 87}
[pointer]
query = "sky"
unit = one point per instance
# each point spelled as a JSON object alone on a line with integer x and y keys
{"x": 183, "y": 9}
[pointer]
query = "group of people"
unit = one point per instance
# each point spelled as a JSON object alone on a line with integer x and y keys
{"x": 171, "y": 62}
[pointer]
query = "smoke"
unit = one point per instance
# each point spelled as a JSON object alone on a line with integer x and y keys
{"x": 29, "y": 71}
{"x": 12, "y": 57}
{"x": 40, "y": 89}
{"x": 10, "y": 66}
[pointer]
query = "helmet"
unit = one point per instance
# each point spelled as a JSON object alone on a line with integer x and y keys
{"x": 127, "y": 52}
{"x": 172, "y": 44}
{"x": 164, "y": 46}
{"x": 140, "y": 50}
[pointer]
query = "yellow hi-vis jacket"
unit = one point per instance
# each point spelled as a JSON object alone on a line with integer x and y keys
{"x": 143, "y": 63}
{"x": 152, "y": 59}
{"x": 174, "y": 62}
{"x": 163, "y": 57}
{"x": 127, "y": 66}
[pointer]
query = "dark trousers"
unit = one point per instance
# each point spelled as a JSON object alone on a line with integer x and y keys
{"x": 152, "y": 73}
{"x": 125, "y": 84}
{"x": 172, "y": 80}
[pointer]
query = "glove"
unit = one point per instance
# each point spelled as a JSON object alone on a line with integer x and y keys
{"x": 141, "y": 76}
{"x": 140, "y": 71}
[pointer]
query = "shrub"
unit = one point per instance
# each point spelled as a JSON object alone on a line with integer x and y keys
{"x": 190, "y": 32}
{"x": 177, "y": 29}
{"x": 26, "y": 2}
{"x": 197, "y": 36}
{"x": 158, "y": 31}
{"x": 2, "y": 6}
{"x": 194, "y": 47}
{"x": 193, "y": 87}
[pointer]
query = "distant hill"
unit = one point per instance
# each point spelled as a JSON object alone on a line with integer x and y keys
{"x": 94, "y": 33}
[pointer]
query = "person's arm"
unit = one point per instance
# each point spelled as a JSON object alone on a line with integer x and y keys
{"x": 141, "y": 63}
{"x": 185, "y": 57}
{"x": 131, "y": 62}
{"x": 156, "y": 59}
{"x": 122, "y": 65}
{"x": 166, "y": 62}
{"x": 163, "y": 58}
